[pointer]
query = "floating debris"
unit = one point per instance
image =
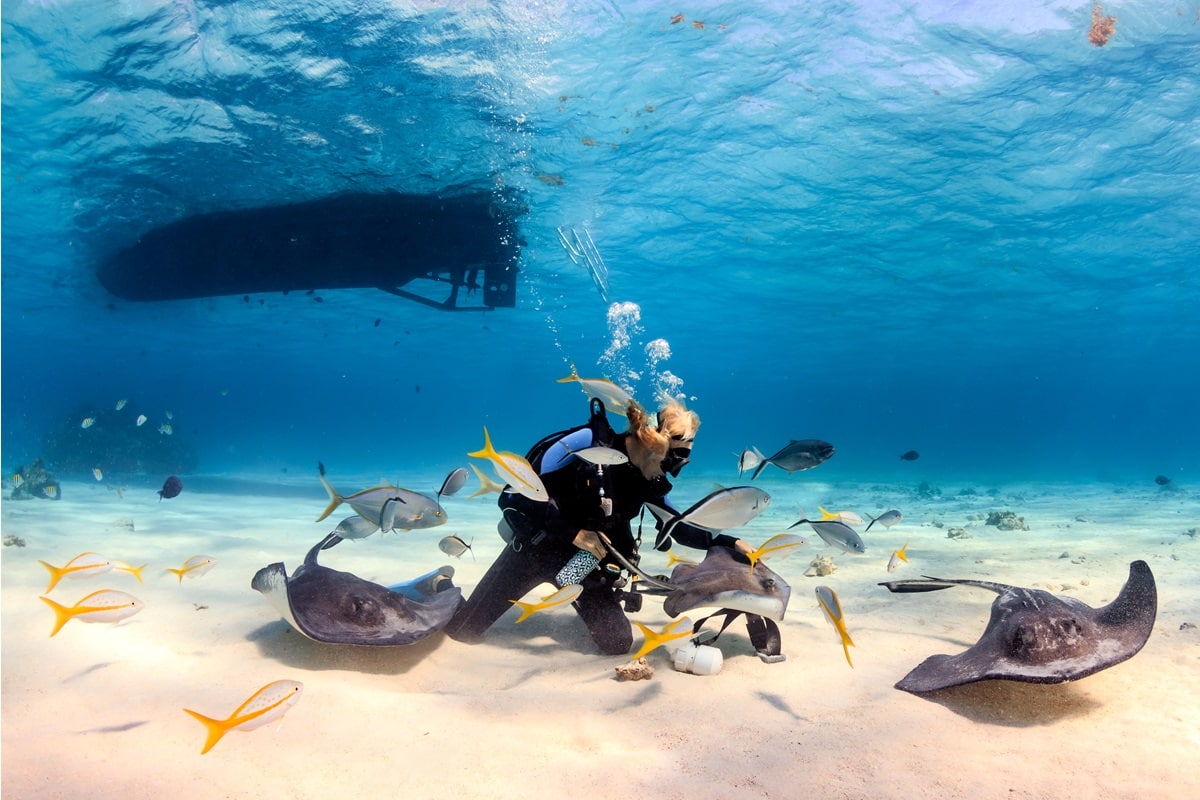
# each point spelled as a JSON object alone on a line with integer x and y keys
{"x": 1102, "y": 27}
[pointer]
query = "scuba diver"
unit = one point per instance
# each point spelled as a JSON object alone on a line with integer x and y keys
{"x": 594, "y": 497}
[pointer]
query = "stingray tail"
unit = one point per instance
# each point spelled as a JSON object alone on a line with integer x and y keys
{"x": 918, "y": 585}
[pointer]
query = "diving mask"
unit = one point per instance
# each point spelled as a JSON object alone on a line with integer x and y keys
{"x": 675, "y": 460}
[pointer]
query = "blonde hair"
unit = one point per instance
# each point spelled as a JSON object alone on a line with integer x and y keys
{"x": 674, "y": 420}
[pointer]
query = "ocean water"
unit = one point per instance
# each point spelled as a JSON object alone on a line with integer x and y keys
{"x": 954, "y": 229}
{"x": 962, "y": 229}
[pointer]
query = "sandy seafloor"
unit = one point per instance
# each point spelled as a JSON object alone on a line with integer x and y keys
{"x": 535, "y": 712}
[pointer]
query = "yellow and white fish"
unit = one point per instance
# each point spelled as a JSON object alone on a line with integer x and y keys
{"x": 566, "y": 594}
{"x": 121, "y": 403}
{"x": 486, "y": 484}
{"x": 828, "y": 600}
{"x": 779, "y": 545}
{"x": 266, "y": 705}
{"x": 106, "y": 605}
{"x": 513, "y": 469}
{"x": 166, "y": 428}
{"x": 18, "y": 480}
{"x": 141, "y": 420}
{"x": 897, "y": 557}
{"x": 615, "y": 398}
{"x": 87, "y": 422}
{"x": 840, "y": 516}
{"x": 673, "y": 559}
{"x": 169, "y": 415}
{"x": 194, "y": 567}
{"x": 97, "y": 474}
{"x": 676, "y": 629}
{"x": 121, "y": 566}
{"x": 84, "y": 565}
{"x": 50, "y": 491}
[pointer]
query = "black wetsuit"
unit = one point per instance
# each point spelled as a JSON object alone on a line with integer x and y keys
{"x": 542, "y": 537}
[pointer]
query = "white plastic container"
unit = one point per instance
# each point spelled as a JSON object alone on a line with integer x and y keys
{"x": 698, "y": 659}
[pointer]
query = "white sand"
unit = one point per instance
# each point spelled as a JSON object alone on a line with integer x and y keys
{"x": 534, "y": 712}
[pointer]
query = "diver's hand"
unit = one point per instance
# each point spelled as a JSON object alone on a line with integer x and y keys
{"x": 590, "y": 541}
{"x": 743, "y": 547}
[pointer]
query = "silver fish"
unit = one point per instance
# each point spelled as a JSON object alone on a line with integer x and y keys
{"x": 887, "y": 519}
{"x": 749, "y": 459}
{"x": 454, "y": 481}
{"x": 389, "y": 507}
{"x": 414, "y": 511}
{"x": 720, "y": 510}
{"x": 604, "y": 456}
{"x": 797, "y": 455}
{"x": 455, "y": 546}
{"x": 355, "y": 527}
{"x": 835, "y": 533}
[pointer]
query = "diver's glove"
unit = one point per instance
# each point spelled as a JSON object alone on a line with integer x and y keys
{"x": 576, "y": 569}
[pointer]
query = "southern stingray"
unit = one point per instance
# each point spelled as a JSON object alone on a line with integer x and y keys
{"x": 724, "y": 581}
{"x": 341, "y": 608}
{"x": 1036, "y": 637}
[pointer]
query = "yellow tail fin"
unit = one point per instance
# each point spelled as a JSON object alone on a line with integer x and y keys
{"x": 488, "y": 451}
{"x": 62, "y": 614}
{"x": 56, "y": 574}
{"x": 527, "y": 609}
{"x": 215, "y": 728}
{"x": 335, "y": 499}
{"x": 679, "y": 629}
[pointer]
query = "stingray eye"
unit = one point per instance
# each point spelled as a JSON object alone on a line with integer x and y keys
{"x": 769, "y": 583}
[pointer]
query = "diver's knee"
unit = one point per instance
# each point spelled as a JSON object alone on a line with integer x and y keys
{"x": 614, "y": 643}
